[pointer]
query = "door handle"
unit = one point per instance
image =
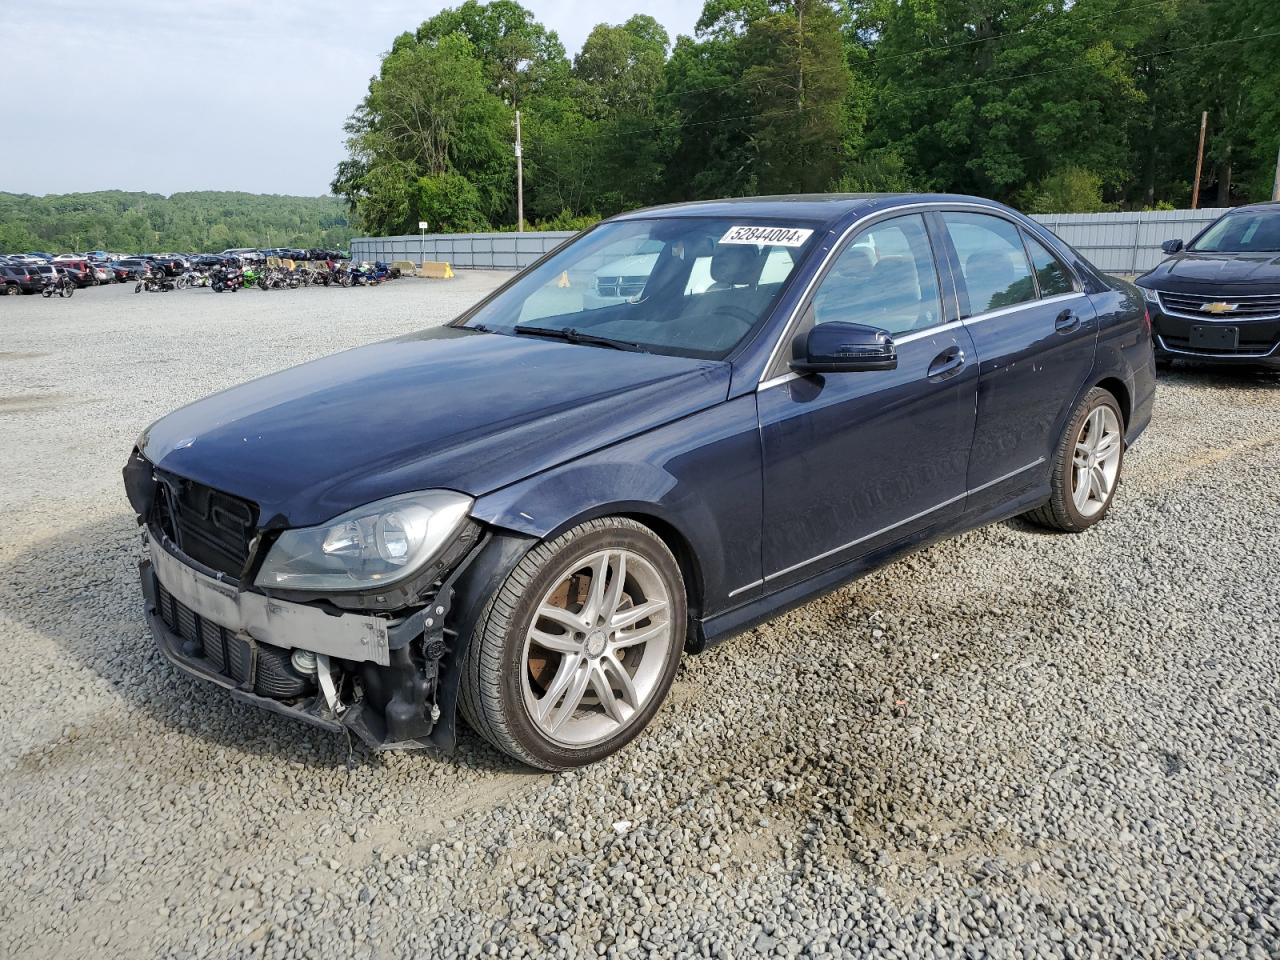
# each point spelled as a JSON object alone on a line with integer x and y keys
{"x": 946, "y": 364}
{"x": 1068, "y": 320}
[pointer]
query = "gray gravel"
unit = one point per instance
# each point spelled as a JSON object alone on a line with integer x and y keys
{"x": 1011, "y": 745}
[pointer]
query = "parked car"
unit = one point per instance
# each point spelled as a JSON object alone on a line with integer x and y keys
{"x": 244, "y": 254}
{"x": 78, "y": 270}
{"x": 21, "y": 278}
{"x": 131, "y": 268}
{"x": 102, "y": 272}
{"x": 1217, "y": 299}
{"x": 47, "y": 272}
{"x": 576, "y": 495}
{"x": 170, "y": 264}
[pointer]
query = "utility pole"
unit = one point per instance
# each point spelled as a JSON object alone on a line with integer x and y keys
{"x": 1195, "y": 190}
{"x": 1275, "y": 190}
{"x": 519, "y": 178}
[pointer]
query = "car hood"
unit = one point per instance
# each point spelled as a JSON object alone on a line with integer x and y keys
{"x": 1193, "y": 272}
{"x": 448, "y": 408}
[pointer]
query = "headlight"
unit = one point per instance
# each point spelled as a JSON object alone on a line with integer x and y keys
{"x": 1151, "y": 296}
{"x": 371, "y": 546}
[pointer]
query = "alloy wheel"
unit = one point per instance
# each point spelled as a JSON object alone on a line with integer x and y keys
{"x": 1096, "y": 461}
{"x": 597, "y": 648}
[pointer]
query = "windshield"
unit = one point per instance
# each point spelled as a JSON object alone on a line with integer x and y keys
{"x": 684, "y": 286}
{"x": 1253, "y": 231}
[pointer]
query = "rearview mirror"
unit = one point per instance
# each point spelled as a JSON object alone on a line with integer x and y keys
{"x": 840, "y": 347}
{"x": 1171, "y": 246}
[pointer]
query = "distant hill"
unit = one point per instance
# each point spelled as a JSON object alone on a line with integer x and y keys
{"x": 117, "y": 221}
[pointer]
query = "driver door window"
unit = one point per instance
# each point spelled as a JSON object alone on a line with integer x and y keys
{"x": 885, "y": 278}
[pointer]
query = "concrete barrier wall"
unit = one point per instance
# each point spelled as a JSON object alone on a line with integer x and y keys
{"x": 1115, "y": 242}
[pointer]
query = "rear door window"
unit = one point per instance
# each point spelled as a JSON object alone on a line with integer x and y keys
{"x": 1051, "y": 273}
{"x": 993, "y": 262}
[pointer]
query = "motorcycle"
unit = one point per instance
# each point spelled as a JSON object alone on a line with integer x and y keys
{"x": 231, "y": 280}
{"x": 62, "y": 285}
{"x": 156, "y": 283}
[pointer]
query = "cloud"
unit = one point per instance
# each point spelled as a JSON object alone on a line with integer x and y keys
{"x": 229, "y": 95}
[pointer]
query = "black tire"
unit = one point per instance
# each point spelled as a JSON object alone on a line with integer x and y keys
{"x": 69, "y": 289}
{"x": 11, "y": 290}
{"x": 47, "y": 292}
{"x": 491, "y": 696}
{"x": 1060, "y": 512}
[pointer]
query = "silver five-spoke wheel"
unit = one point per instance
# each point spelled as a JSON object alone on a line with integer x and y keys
{"x": 1085, "y": 470}
{"x": 1096, "y": 461}
{"x": 575, "y": 652}
{"x": 597, "y": 648}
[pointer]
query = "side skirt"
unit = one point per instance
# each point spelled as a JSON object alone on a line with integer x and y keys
{"x": 721, "y": 627}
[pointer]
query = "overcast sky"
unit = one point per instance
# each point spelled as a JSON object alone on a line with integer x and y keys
{"x": 219, "y": 95}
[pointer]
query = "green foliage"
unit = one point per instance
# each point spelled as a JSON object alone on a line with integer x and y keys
{"x": 1055, "y": 104}
{"x": 1071, "y": 190}
{"x": 450, "y": 203}
{"x": 147, "y": 222}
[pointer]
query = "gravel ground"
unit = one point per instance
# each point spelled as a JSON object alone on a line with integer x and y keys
{"x": 1013, "y": 744}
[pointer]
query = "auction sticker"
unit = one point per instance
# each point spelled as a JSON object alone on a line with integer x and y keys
{"x": 773, "y": 236}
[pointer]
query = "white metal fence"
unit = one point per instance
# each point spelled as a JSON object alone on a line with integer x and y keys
{"x": 466, "y": 251}
{"x": 1127, "y": 242}
{"x": 1114, "y": 242}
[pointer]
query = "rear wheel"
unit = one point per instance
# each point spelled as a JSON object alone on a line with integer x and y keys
{"x": 576, "y": 651}
{"x": 1086, "y": 466}
{"x": 11, "y": 290}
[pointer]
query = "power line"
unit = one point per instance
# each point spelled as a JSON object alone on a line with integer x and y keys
{"x": 926, "y": 90}
{"x": 941, "y": 48}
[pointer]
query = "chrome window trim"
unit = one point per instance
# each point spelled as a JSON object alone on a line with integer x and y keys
{"x": 838, "y": 246}
{"x": 1025, "y": 304}
{"x": 883, "y": 530}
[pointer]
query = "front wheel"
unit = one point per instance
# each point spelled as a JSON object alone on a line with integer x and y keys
{"x": 1086, "y": 466}
{"x": 69, "y": 289}
{"x": 576, "y": 651}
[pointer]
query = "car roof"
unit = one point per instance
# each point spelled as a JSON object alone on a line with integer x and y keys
{"x": 824, "y": 208}
{"x": 1271, "y": 206}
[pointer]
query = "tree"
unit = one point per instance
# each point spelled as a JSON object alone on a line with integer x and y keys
{"x": 986, "y": 96}
{"x": 799, "y": 86}
{"x": 521, "y": 58}
{"x": 428, "y": 113}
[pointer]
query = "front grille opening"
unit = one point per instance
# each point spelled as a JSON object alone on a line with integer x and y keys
{"x": 212, "y": 527}
{"x": 1245, "y": 308}
{"x": 225, "y": 653}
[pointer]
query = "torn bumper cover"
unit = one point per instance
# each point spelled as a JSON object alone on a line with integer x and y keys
{"x": 374, "y": 676}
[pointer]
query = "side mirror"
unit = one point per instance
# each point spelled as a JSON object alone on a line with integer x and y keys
{"x": 840, "y": 347}
{"x": 1171, "y": 246}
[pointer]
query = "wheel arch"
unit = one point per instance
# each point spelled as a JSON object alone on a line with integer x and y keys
{"x": 1120, "y": 390}
{"x": 665, "y": 528}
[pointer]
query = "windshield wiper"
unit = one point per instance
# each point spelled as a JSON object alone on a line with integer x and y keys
{"x": 570, "y": 335}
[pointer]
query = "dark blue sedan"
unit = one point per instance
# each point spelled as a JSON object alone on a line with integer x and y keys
{"x": 532, "y": 512}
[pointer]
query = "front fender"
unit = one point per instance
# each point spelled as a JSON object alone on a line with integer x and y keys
{"x": 698, "y": 480}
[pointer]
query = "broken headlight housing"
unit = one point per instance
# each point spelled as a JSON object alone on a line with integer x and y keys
{"x": 369, "y": 547}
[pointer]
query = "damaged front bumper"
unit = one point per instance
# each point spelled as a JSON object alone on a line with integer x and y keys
{"x": 376, "y": 677}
